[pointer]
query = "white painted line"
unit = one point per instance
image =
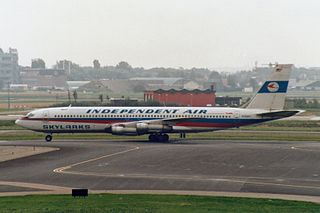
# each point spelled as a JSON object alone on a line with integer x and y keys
{"x": 62, "y": 169}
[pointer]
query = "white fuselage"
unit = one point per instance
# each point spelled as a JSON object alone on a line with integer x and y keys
{"x": 138, "y": 120}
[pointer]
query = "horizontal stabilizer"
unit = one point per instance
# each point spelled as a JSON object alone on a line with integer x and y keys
{"x": 278, "y": 114}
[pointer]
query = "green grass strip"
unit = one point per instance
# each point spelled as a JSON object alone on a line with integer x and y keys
{"x": 150, "y": 203}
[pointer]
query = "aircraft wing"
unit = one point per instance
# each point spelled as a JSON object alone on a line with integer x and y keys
{"x": 160, "y": 121}
{"x": 154, "y": 125}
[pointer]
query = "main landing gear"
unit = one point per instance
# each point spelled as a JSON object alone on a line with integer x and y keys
{"x": 159, "y": 138}
{"x": 183, "y": 135}
{"x": 48, "y": 138}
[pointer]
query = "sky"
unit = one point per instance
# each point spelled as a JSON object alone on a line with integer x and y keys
{"x": 222, "y": 34}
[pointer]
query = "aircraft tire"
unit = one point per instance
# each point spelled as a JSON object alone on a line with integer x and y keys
{"x": 158, "y": 138}
{"x": 48, "y": 138}
{"x": 152, "y": 138}
{"x": 165, "y": 137}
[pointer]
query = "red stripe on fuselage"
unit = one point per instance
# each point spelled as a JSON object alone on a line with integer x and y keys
{"x": 204, "y": 124}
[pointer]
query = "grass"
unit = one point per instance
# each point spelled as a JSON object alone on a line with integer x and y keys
{"x": 8, "y": 125}
{"x": 286, "y": 125}
{"x": 315, "y": 111}
{"x": 150, "y": 203}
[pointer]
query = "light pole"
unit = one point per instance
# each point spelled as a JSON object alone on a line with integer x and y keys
{"x": 8, "y": 95}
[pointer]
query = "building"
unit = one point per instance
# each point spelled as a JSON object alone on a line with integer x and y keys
{"x": 123, "y": 102}
{"x": 228, "y": 101}
{"x": 73, "y": 85}
{"x": 182, "y": 97}
{"x": 308, "y": 85}
{"x": 154, "y": 83}
{"x": 9, "y": 68}
{"x": 18, "y": 87}
{"x": 39, "y": 78}
{"x": 115, "y": 86}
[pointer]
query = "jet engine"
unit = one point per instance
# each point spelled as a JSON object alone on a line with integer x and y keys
{"x": 123, "y": 130}
{"x": 152, "y": 128}
{"x": 138, "y": 129}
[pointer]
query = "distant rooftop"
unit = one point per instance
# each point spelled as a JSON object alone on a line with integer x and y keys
{"x": 165, "y": 80}
{"x": 182, "y": 91}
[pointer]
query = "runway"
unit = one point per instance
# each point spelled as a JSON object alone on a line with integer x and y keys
{"x": 190, "y": 165}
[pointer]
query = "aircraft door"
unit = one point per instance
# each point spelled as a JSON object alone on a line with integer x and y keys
{"x": 236, "y": 119}
{"x": 45, "y": 116}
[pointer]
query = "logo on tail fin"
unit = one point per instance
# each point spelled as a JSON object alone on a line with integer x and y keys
{"x": 273, "y": 87}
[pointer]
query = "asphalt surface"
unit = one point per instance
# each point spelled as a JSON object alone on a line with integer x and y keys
{"x": 190, "y": 165}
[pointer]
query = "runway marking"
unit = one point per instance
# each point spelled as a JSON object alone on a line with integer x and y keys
{"x": 304, "y": 149}
{"x": 62, "y": 169}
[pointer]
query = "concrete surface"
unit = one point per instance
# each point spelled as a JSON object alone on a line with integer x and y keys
{"x": 264, "y": 168}
{"x": 14, "y": 152}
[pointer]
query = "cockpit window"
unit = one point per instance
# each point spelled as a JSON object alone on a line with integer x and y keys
{"x": 29, "y": 115}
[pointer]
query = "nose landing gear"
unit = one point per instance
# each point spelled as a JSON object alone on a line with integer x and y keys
{"x": 158, "y": 137}
{"x": 48, "y": 138}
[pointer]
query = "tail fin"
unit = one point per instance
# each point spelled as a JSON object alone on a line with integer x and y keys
{"x": 272, "y": 94}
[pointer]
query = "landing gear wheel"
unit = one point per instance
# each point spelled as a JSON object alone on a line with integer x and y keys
{"x": 152, "y": 138}
{"x": 48, "y": 138}
{"x": 165, "y": 138}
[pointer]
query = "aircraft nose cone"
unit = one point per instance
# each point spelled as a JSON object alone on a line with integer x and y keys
{"x": 17, "y": 121}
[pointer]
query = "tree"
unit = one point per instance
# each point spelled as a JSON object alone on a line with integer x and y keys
{"x": 96, "y": 64}
{"x": 253, "y": 82}
{"x": 232, "y": 82}
{"x": 69, "y": 96}
{"x": 123, "y": 65}
{"x": 1, "y": 84}
{"x": 101, "y": 98}
{"x": 75, "y": 95}
{"x": 66, "y": 65}
{"x": 139, "y": 88}
{"x": 38, "y": 63}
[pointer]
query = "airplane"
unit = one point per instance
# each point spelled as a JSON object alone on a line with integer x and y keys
{"x": 158, "y": 122}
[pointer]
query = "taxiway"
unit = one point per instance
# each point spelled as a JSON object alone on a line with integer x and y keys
{"x": 191, "y": 165}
